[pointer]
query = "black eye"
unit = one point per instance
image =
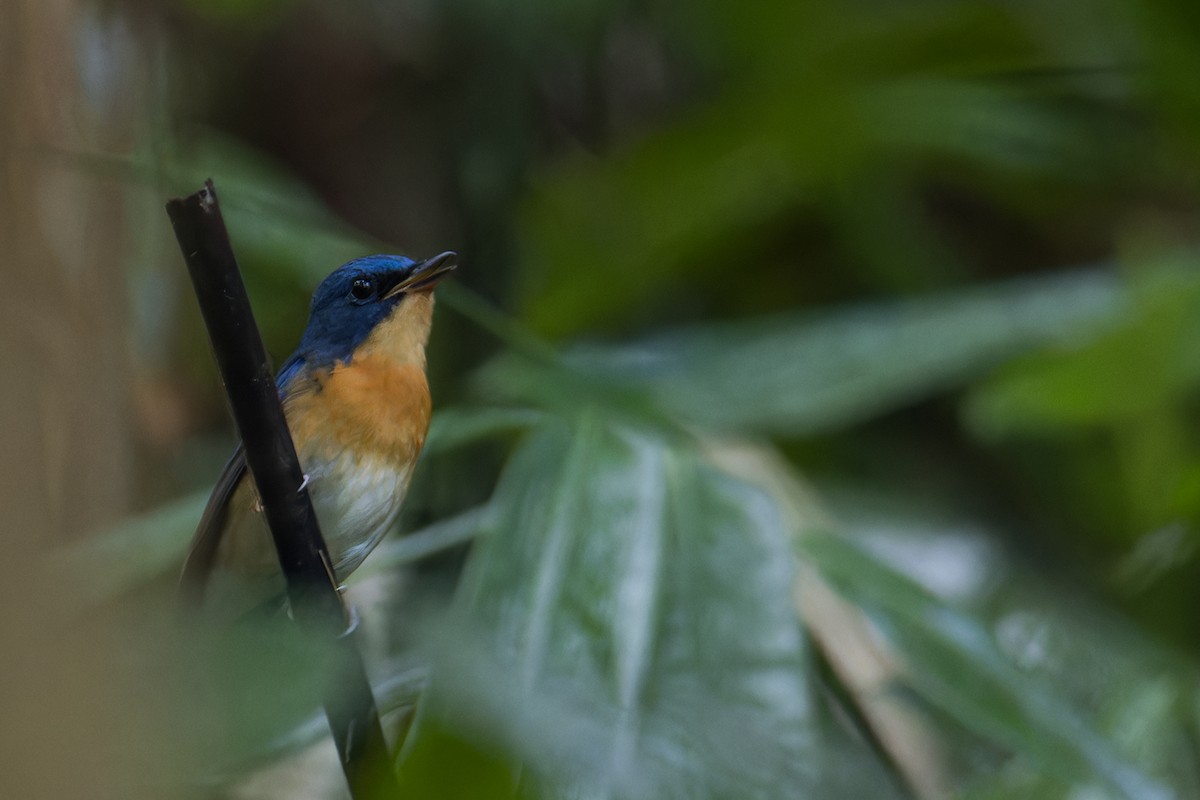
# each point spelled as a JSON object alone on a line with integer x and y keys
{"x": 362, "y": 288}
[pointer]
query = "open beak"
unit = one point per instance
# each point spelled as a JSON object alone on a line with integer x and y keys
{"x": 427, "y": 274}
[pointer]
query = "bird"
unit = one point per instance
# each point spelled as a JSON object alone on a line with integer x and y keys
{"x": 357, "y": 403}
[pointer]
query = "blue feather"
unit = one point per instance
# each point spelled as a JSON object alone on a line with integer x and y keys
{"x": 338, "y": 324}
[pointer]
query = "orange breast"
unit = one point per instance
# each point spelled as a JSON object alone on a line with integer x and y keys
{"x": 373, "y": 405}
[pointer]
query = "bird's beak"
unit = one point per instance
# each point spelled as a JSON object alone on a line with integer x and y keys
{"x": 427, "y": 274}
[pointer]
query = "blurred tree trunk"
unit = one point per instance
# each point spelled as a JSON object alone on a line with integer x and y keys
{"x": 66, "y": 463}
{"x": 66, "y": 454}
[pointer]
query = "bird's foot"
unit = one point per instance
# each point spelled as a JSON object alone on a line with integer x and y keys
{"x": 303, "y": 484}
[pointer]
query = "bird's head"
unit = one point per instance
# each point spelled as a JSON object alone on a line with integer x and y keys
{"x": 379, "y": 304}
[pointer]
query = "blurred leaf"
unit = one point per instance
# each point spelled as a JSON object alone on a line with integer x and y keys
{"x": 106, "y": 563}
{"x": 1134, "y": 385}
{"x": 794, "y": 124}
{"x": 957, "y": 666}
{"x": 799, "y": 38}
{"x": 250, "y": 688}
{"x": 399, "y": 692}
{"x": 456, "y": 427}
{"x": 441, "y": 535}
{"x": 243, "y": 13}
{"x": 642, "y": 641}
{"x": 1144, "y": 364}
{"x": 276, "y": 222}
{"x": 799, "y": 374}
{"x": 445, "y": 765}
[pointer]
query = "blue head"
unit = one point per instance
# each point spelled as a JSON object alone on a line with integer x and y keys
{"x": 357, "y": 297}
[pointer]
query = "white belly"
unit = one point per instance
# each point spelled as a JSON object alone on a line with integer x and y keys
{"x": 356, "y": 499}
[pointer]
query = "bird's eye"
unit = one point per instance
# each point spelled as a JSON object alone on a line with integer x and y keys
{"x": 362, "y": 288}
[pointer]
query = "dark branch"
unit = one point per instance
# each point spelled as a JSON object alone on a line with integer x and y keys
{"x": 271, "y": 457}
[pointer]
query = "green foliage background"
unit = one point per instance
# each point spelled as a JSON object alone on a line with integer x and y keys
{"x": 761, "y": 304}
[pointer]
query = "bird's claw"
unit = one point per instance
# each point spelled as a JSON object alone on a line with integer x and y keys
{"x": 257, "y": 505}
{"x": 352, "y": 621}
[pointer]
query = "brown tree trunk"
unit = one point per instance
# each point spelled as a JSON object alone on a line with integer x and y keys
{"x": 65, "y": 450}
{"x": 65, "y": 463}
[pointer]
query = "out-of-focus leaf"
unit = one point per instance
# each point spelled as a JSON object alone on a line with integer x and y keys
{"x": 641, "y": 600}
{"x": 796, "y": 123}
{"x": 129, "y": 554}
{"x": 1134, "y": 385}
{"x": 243, "y": 13}
{"x": 434, "y": 538}
{"x": 399, "y": 692}
{"x": 275, "y": 220}
{"x": 800, "y": 374}
{"x": 448, "y": 766}
{"x": 957, "y": 666}
{"x": 455, "y": 427}
{"x": 1143, "y": 365}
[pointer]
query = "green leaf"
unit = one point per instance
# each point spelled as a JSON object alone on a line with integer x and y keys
{"x": 131, "y": 553}
{"x": 276, "y": 222}
{"x": 456, "y": 427}
{"x": 805, "y": 373}
{"x": 833, "y": 104}
{"x": 441, "y": 535}
{"x": 1143, "y": 365}
{"x": 635, "y": 632}
{"x": 958, "y": 667}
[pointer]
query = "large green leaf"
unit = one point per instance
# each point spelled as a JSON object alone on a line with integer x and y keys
{"x": 805, "y": 373}
{"x": 636, "y": 636}
{"x": 957, "y": 666}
